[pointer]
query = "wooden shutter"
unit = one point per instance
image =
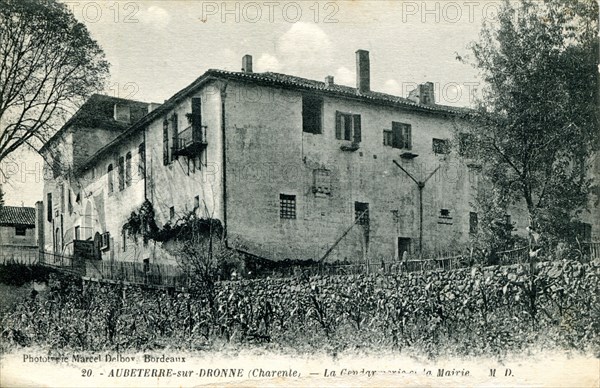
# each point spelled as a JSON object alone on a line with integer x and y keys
{"x": 174, "y": 118}
{"x": 397, "y": 141}
{"x": 407, "y": 136}
{"x": 165, "y": 142}
{"x": 338, "y": 125}
{"x": 357, "y": 128}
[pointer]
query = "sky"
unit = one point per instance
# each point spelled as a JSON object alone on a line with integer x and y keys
{"x": 156, "y": 48}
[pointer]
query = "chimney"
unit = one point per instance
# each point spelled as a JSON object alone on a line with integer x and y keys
{"x": 247, "y": 63}
{"x": 363, "y": 70}
{"x": 152, "y": 106}
{"x": 423, "y": 94}
{"x": 427, "y": 95}
{"x": 329, "y": 81}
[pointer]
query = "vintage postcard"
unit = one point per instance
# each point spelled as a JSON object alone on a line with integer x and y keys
{"x": 299, "y": 193}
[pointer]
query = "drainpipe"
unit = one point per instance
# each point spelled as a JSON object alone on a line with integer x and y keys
{"x": 420, "y": 186}
{"x": 224, "y": 161}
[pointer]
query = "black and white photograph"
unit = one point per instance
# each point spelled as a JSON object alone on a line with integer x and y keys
{"x": 303, "y": 193}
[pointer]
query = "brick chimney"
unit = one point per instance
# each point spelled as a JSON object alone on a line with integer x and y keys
{"x": 423, "y": 94}
{"x": 247, "y": 63}
{"x": 329, "y": 81}
{"x": 363, "y": 71}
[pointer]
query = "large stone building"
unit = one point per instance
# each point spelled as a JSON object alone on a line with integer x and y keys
{"x": 293, "y": 168}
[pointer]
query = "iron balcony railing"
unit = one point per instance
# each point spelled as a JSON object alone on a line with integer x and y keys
{"x": 191, "y": 140}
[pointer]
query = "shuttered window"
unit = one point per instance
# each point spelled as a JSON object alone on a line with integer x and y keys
{"x": 401, "y": 135}
{"x": 348, "y": 127}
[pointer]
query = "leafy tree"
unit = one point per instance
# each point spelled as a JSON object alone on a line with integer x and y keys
{"x": 48, "y": 65}
{"x": 536, "y": 129}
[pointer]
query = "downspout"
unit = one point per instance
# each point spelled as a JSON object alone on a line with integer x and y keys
{"x": 144, "y": 172}
{"x": 224, "y": 162}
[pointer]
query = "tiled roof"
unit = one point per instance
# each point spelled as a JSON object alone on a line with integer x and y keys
{"x": 340, "y": 90}
{"x": 15, "y": 215}
{"x": 98, "y": 111}
{"x": 281, "y": 80}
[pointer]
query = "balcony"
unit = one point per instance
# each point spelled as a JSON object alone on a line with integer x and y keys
{"x": 191, "y": 141}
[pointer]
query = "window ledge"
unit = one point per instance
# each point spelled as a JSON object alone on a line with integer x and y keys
{"x": 350, "y": 147}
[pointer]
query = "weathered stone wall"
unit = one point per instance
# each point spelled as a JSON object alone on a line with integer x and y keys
{"x": 268, "y": 153}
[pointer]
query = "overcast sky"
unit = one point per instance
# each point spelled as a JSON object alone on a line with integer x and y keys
{"x": 158, "y": 47}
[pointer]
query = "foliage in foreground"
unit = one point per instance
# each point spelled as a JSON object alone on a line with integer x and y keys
{"x": 464, "y": 312}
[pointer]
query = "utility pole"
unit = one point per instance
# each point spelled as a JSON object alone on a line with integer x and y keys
{"x": 420, "y": 186}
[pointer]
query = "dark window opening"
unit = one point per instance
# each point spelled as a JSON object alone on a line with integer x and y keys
{"x": 109, "y": 174}
{"x": 20, "y": 231}
{"x": 128, "y": 169}
{"x": 77, "y": 233}
{"x": 361, "y": 213}
{"x": 473, "y": 223}
{"x": 121, "y": 173}
{"x": 401, "y": 135}
{"x": 196, "y": 202}
{"x": 49, "y": 207}
{"x": 171, "y": 212}
{"x": 287, "y": 206}
{"x": 142, "y": 161}
{"x": 441, "y": 146}
{"x": 105, "y": 241}
{"x": 312, "y": 111}
{"x": 348, "y": 127}
{"x": 444, "y": 213}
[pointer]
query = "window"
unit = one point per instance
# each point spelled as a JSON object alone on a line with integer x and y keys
{"x": 401, "y": 135}
{"x": 124, "y": 240}
{"x": 361, "y": 213}
{"x": 287, "y": 206}
{"x": 445, "y": 213}
{"x": 166, "y": 142}
{"x": 347, "y": 127}
{"x": 322, "y": 182}
{"x": 121, "y": 173}
{"x": 128, "y": 169}
{"x": 171, "y": 212}
{"x": 441, "y": 146}
{"x": 175, "y": 122}
{"x": 105, "y": 241}
{"x": 20, "y": 231}
{"x": 142, "y": 160}
{"x": 109, "y": 174}
{"x": 49, "y": 207}
{"x": 473, "y": 223}
{"x": 387, "y": 138}
{"x": 196, "y": 202}
{"x": 466, "y": 143}
{"x": 312, "y": 108}
{"x": 77, "y": 233}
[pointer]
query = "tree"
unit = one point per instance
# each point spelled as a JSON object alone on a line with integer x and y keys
{"x": 49, "y": 64}
{"x": 536, "y": 129}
